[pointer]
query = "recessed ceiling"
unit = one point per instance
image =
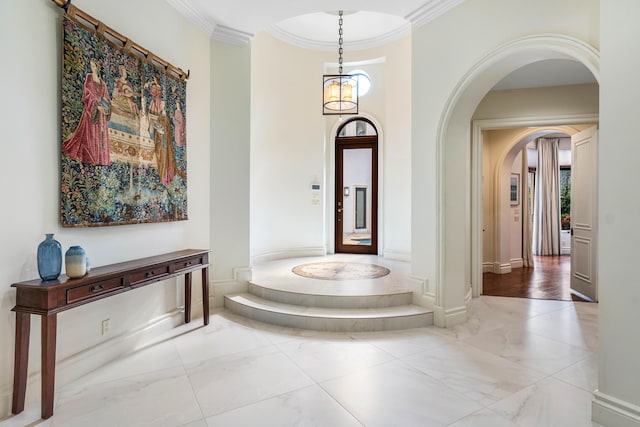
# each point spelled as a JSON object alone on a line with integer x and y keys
{"x": 311, "y": 24}
{"x": 314, "y": 25}
{"x": 360, "y": 29}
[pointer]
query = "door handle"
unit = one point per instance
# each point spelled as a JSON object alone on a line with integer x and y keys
{"x": 339, "y": 210}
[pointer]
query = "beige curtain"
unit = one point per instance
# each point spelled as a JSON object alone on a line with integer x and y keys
{"x": 527, "y": 257}
{"x": 546, "y": 214}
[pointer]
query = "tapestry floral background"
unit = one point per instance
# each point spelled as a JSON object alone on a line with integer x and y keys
{"x": 123, "y": 152}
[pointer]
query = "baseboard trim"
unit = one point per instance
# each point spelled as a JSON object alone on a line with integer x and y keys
{"x": 517, "y": 263}
{"x": 487, "y": 267}
{"x": 501, "y": 268}
{"x": 450, "y": 317}
{"x": 422, "y": 296}
{"x": 397, "y": 255}
{"x": 238, "y": 284}
{"x": 611, "y": 411}
{"x": 290, "y": 253}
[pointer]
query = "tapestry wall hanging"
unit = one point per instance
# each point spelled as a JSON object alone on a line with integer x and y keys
{"x": 124, "y": 148}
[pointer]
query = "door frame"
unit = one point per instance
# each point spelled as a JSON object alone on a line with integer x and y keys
{"x": 351, "y": 143}
{"x": 330, "y": 177}
{"x": 476, "y": 176}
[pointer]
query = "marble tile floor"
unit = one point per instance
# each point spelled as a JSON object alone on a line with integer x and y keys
{"x": 516, "y": 362}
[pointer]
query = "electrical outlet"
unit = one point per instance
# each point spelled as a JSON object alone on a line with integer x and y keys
{"x": 106, "y": 326}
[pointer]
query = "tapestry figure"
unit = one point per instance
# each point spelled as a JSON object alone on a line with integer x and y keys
{"x": 89, "y": 143}
{"x": 178, "y": 125}
{"x": 161, "y": 134}
{"x": 123, "y": 94}
{"x": 155, "y": 90}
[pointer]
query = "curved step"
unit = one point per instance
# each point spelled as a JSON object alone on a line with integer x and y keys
{"x": 326, "y": 318}
{"x": 334, "y": 300}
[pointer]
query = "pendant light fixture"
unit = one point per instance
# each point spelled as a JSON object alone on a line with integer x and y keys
{"x": 340, "y": 92}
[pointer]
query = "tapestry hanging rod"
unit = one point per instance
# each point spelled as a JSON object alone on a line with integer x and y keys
{"x": 123, "y": 42}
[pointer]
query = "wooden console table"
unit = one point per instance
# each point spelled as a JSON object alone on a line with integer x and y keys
{"x": 48, "y": 298}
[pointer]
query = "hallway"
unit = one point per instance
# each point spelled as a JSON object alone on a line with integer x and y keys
{"x": 548, "y": 279}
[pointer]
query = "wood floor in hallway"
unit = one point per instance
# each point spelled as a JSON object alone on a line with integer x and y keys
{"x": 548, "y": 279}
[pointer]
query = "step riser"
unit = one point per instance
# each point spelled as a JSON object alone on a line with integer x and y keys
{"x": 331, "y": 301}
{"x": 331, "y": 324}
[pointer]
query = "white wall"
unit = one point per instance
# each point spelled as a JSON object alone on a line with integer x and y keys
{"x": 230, "y": 168}
{"x": 287, "y": 147}
{"x": 541, "y": 101}
{"x": 618, "y": 174}
{"x": 292, "y": 146}
{"x": 30, "y": 41}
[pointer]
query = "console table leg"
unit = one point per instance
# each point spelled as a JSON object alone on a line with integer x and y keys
{"x": 49, "y": 325}
{"x": 21, "y": 361}
{"x": 205, "y": 295}
{"x": 187, "y": 297}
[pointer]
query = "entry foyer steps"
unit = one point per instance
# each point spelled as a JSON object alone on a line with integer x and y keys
{"x": 329, "y": 312}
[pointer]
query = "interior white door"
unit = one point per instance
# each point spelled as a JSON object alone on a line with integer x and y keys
{"x": 584, "y": 212}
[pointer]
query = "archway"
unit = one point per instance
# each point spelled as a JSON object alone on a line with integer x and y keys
{"x": 356, "y": 191}
{"x": 458, "y": 260}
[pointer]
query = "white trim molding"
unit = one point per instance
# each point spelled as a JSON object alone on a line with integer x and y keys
{"x": 421, "y": 295}
{"x": 230, "y": 35}
{"x": 238, "y": 284}
{"x": 610, "y": 411}
{"x": 194, "y": 15}
{"x": 448, "y": 318}
{"x": 211, "y": 29}
{"x": 501, "y": 268}
{"x": 397, "y": 255}
{"x": 517, "y": 263}
{"x": 290, "y": 253}
{"x": 276, "y": 31}
{"x": 430, "y": 11}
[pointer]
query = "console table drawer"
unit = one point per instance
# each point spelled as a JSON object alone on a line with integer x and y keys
{"x": 88, "y": 291}
{"x": 144, "y": 275}
{"x": 189, "y": 263}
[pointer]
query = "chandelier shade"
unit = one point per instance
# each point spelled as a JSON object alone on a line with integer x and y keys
{"x": 339, "y": 91}
{"x": 340, "y": 94}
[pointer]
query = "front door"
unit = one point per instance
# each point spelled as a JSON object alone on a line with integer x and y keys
{"x": 356, "y": 201}
{"x": 584, "y": 210}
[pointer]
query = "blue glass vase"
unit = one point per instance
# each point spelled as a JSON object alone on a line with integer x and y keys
{"x": 75, "y": 260}
{"x": 49, "y": 258}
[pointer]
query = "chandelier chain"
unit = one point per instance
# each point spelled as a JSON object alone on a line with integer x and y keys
{"x": 340, "y": 50}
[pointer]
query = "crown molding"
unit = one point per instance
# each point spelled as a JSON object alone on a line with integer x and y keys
{"x": 231, "y": 35}
{"x": 431, "y": 10}
{"x": 306, "y": 43}
{"x": 194, "y": 15}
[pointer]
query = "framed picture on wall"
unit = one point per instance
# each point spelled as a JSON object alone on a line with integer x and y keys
{"x": 514, "y": 189}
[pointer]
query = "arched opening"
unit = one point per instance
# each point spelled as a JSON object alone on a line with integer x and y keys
{"x": 356, "y": 187}
{"x": 459, "y": 262}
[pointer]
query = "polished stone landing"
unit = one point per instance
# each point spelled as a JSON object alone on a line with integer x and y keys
{"x": 279, "y": 296}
